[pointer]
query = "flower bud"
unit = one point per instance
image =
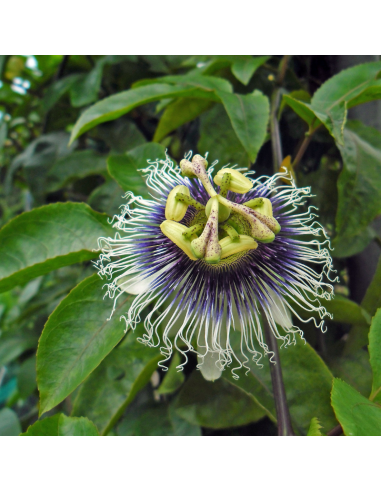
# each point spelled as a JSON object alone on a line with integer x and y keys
{"x": 174, "y": 231}
{"x": 238, "y": 182}
{"x": 230, "y": 247}
{"x": 223, "y": 212}
{"x": 176, "y": 209}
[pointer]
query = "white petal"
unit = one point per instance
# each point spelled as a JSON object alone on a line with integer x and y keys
{"x": 208, "y": 366}
{"x": 280, "y": 312}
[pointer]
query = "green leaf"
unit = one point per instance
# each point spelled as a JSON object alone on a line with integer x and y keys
{"x": 74, "y": 166}
{"x": 359, "y": 189}
{"x": 119, "y": 104}
{"x": 178, "y": 113}
{"x": 26, "y": 377}
{"x": 153, "y": 419}
{"x": 346, "y": 311}
{"x": 217, "y": 138}
{"x": 107, "y": 198}
{"x": 76, "y": 338}
{"x": 9, "y": 423}
{"x": 249, "y": 116}
{"x": 215, "y": 405}
{"x": 60, "y": 425}
{"x": 113, "y": 385}
{"x": 13, "y": 345}
{"x": 357, "y": 415}
{"x": 244, "y": 68}
{"x": 173, "y": 379}
{"x": 302, "y": 109}
{"x": 125, "y": 168}
{"x": 372, "y": 298}
{"x": 195, "y": 80}
{"x": 85, "y": 89}
{"x": 57, "y": 89}
{"x": 375, "y": 355}
{"x": 307, "y": 382}
{"x": 3, "y": 133}
{"x": 351, "y": 87}
{"x": 315, "y": 427}
{"x": 354, "y": 369}
{"x": 47, "y": 238}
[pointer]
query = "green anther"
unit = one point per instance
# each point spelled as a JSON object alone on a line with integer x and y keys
{"x": 240, "y": 224}
{"x": 255, "y": 203}
{"x": 182, "y": 197}
{"x": 264, "y": 207}
{"x": 195, "y": 229}
{"x": 233, "y": 234}
{"x": 225, "y": 184}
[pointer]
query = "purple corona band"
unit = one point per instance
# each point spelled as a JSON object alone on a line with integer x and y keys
{"x": 194, "y": 306}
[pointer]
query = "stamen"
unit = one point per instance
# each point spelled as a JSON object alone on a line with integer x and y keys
{"x": 233, "y": 234}
{"x": 230, "y": 247}
{"x": 195, "y": 229}
{"x": 224, "y": 188}
{"x": 176, "y": 209}
{"x": 238, "y": 182}
{"x": 261, "y": 205}
{"x": 182, "y": 197}
{"x": 174, "y": 231}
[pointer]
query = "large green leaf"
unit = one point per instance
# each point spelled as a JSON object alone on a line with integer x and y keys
{"x": 57, "y": 89}
{"x": 60, "y": 425}
{"x": 215, "y": 405}
{"x": 375, "y": 355}
{"x": 85, "y": 89}
{"x": 178, "y": 113}
{"x": 76, "y": 338}
{"x": 245, "y": 66}
{"x": 107, "y": 198}
{"x": 47, "y": 238}
{"x": 351, "y": 87}
{"x": 74, "y": 166}
{"x": 12, "y": 345}
{"x": 307, "y": 381}
{"x": 345, "y": 311}
{"x": 302, "y": 109}
{"x": 354, "y": 368}
{"x": 218, "y": 139}
{"x": 249, "y": 116}
{"x": 357, "y": 415}
{"x": 155, "y": 419}
{"x": 115, "y": 106}
{"x": 372, "y": 297}
{"x": 173, "y": 379}
{"x": 125, "y": 168}
{"x": 9, "y": 423}
{"x": 113, "y": 385}
{"x": 195, "y": 80}
{"x": 359, "y": 188}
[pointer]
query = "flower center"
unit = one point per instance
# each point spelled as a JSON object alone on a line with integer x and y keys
{"x": 222, "y": 231}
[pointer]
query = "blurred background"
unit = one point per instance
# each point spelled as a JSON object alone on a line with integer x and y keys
{"x": 42, "y": 97}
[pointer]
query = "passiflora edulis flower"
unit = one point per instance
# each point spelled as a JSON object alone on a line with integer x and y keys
{"x": 205, "y": 260}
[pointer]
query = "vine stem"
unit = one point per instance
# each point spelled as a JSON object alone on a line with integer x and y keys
{"x": 281, "y": 406}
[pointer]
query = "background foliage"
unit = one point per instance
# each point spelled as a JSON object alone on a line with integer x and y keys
{"x": 65, "y": 369}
